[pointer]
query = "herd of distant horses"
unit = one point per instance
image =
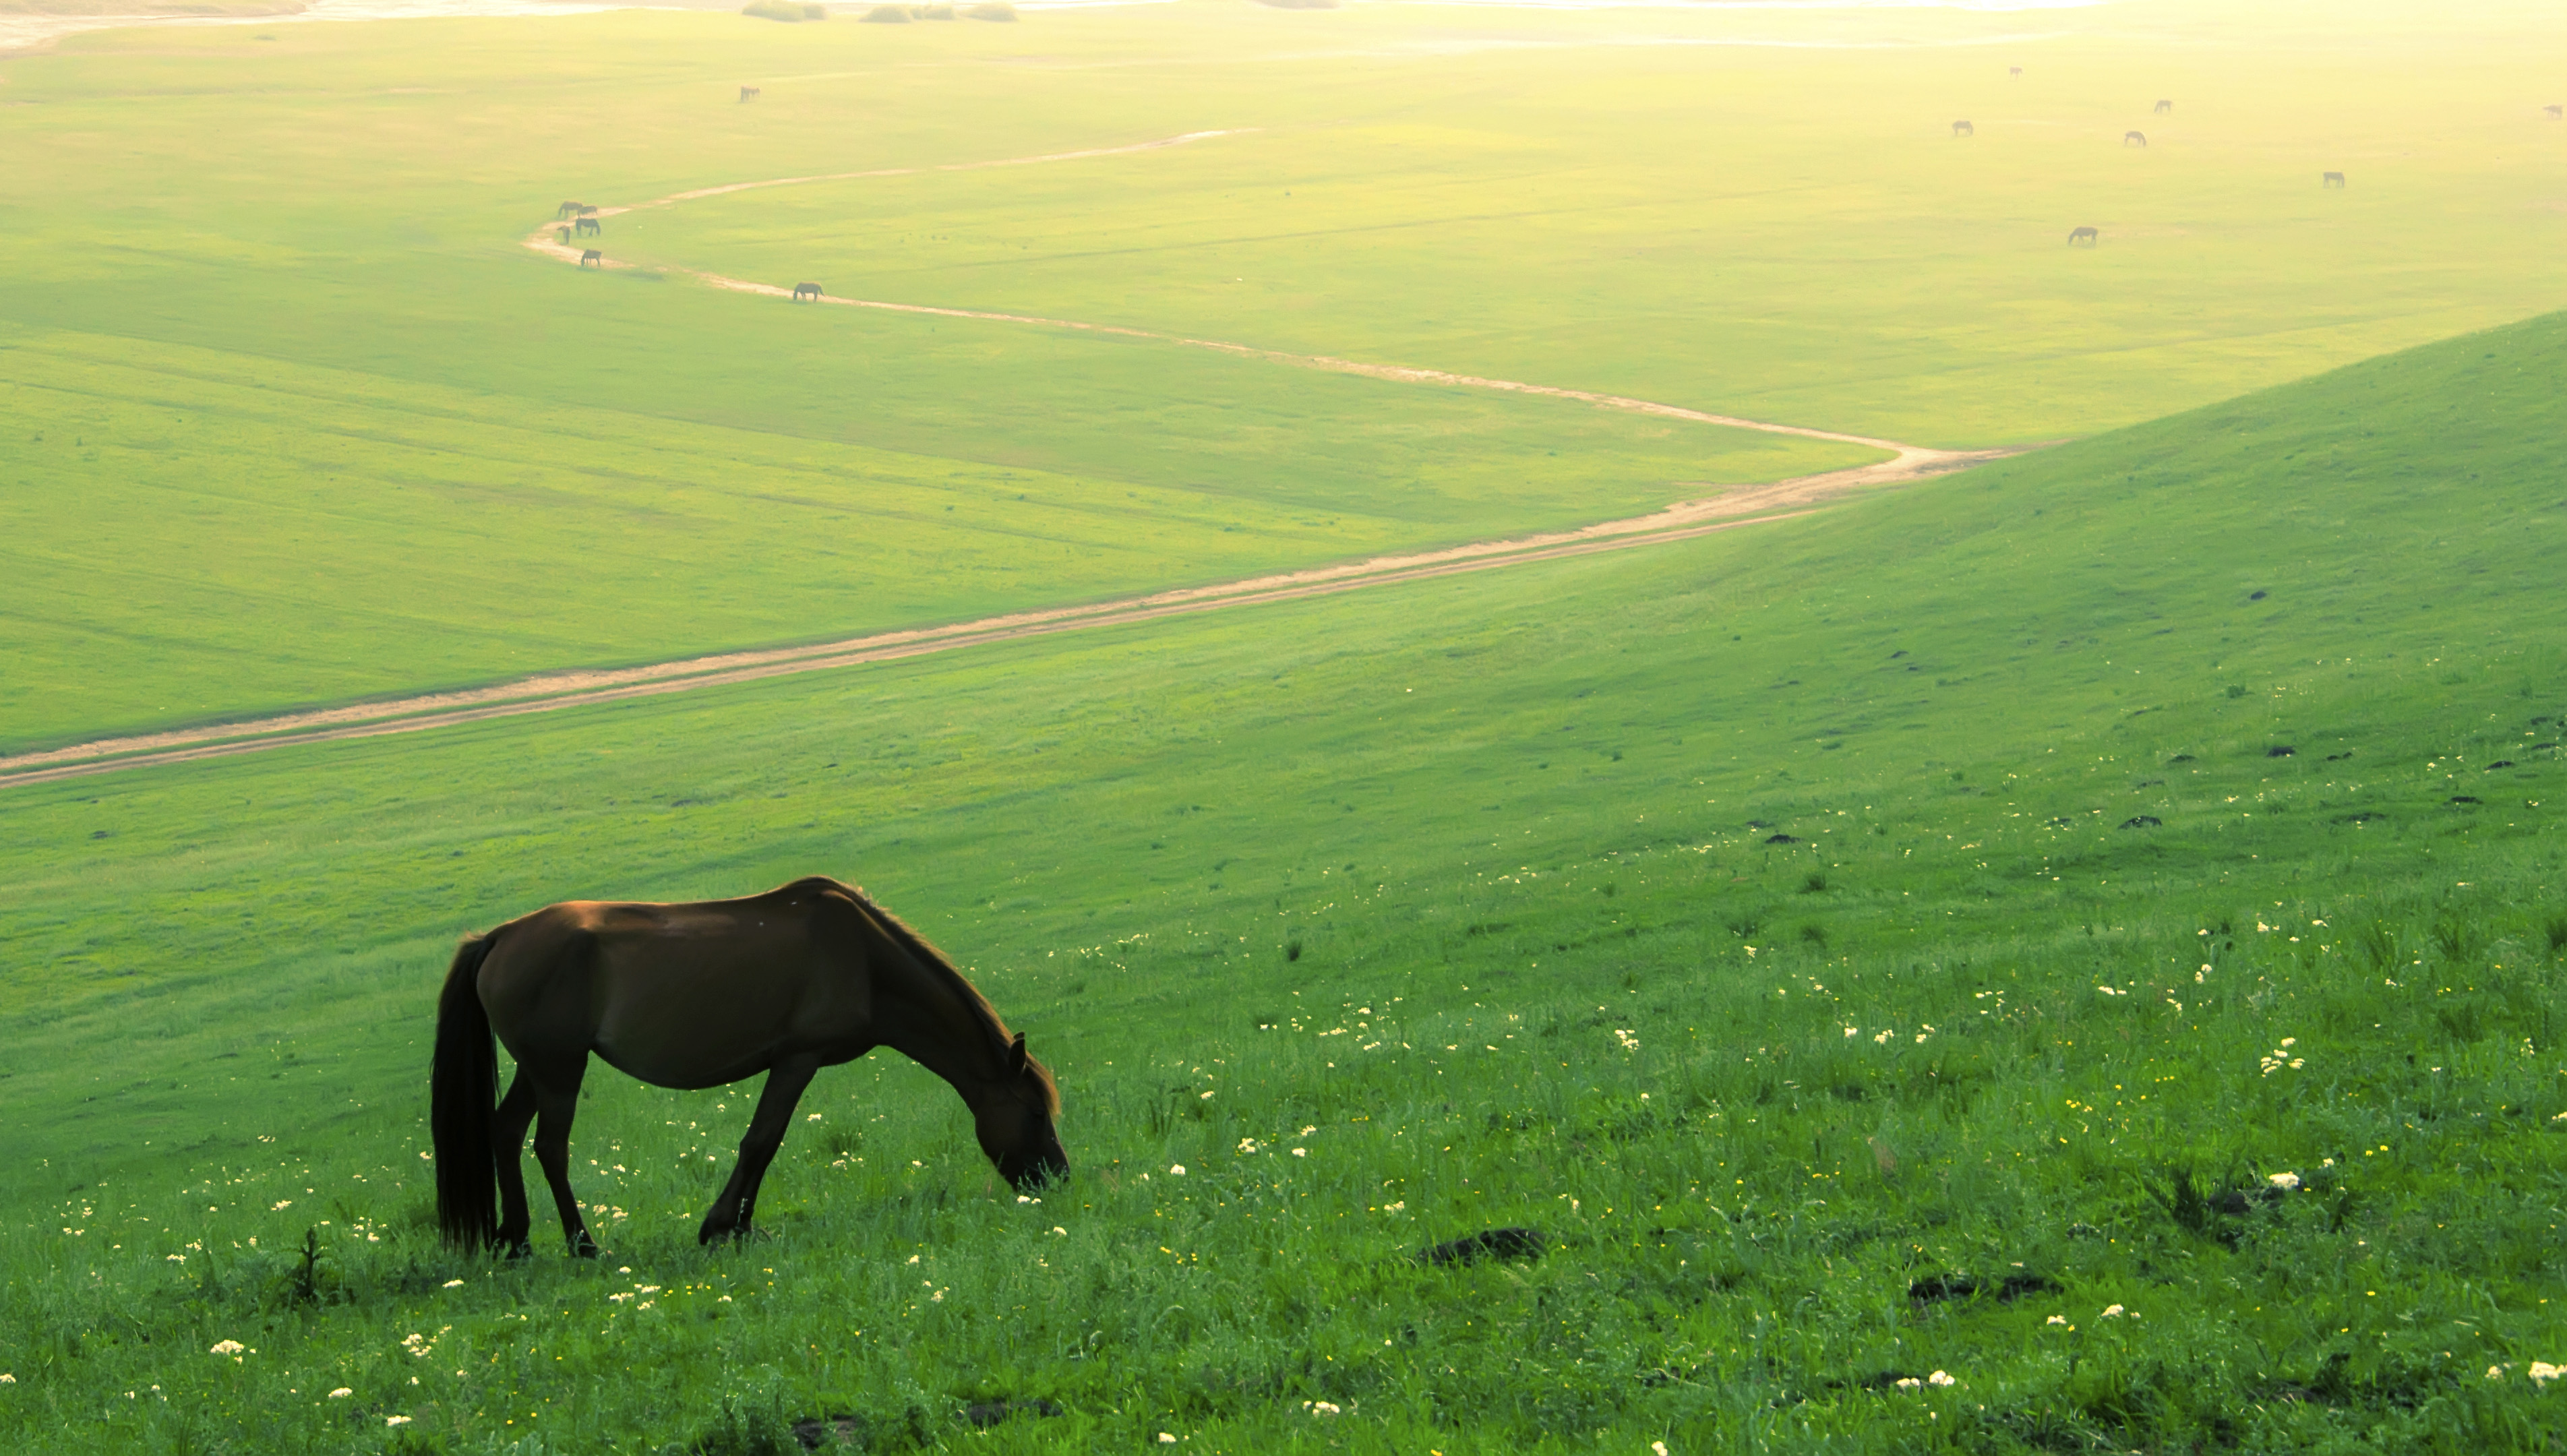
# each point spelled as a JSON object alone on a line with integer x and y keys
{"x": 2090, "y": 237}
{"x": 586, "y": 224}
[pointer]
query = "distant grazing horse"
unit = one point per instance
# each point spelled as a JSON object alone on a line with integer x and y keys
{"x": 587, "y": 225}
{"x": 2166, "y": 107}
{"x": 567, "y": 209}
{"x": 749, "y": 93}
{"x": 2086, "y": 235}
{"x": 802, "y": 291}
{"x": 805, "y": 976}
{"x": 592, "y": 255}
{"x": 2554, "y": 112}
{"x": 2014, "y": 69}
{"x": 2330, "y": 180}
{"x": 587, "y": 211}
{"x": 1964, "y": 128}
{"x": 2135, "y": 139}
{"x": 564, "y": 234}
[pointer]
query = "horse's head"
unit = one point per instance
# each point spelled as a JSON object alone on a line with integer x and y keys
{"x": 1015, "y": 1121}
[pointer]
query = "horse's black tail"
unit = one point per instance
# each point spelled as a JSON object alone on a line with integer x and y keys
{"x": 463, "y": 1087}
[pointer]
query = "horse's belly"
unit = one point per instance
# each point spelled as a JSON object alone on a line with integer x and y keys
{"x": 702, "y": 1024}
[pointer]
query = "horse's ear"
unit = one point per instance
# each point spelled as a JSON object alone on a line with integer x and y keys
{"x": 1016, "y": 1056}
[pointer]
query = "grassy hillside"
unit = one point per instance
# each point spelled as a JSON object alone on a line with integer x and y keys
{"x": 1470, "y": 891}
{"x": 191, "y": 534}
{"x": 295, "y": 418}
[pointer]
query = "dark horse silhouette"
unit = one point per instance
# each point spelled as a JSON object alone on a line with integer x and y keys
{"x": 2166, "y": 107}
{"x": 587, "y": 225}
{"x": 2135, "y": 139}
{"x": 806, "y": 975}
{"x": 564, "y": 234}
{"x": 2330, "y": 180}
{"x": 802, "y": 291}
{"x": 2086, "y": 235}
{"x": 591, "y": 255}
{"x": 2554, "y": 112}
{"x": 1964, "y": 128}
{"x": 749, "y": 93}
{"x": 567, "y": 209}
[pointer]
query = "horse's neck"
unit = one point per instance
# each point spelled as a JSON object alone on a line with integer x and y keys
{"x": 924, "y": 1016}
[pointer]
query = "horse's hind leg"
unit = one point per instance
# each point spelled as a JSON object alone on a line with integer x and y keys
{"x": 556, "y": 1103}
{"x": 508, "y": 1147}
{"x": 731, "y": 1212}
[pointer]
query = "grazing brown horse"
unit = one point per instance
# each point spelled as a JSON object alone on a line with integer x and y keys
{"x": 2086, "y": 235}
{"x": 2554, "y": 112}
{"x": 564, "y": 234}
{"x": 749, "y": 93}
{"x": 567, "y": 209}
{"x": 1964, "y": 128}
{"x": 2014, "y": 69}
{"x": 2166, "y": 107}
{"x": 802, "y": 291}
{"x": 805, "y": 976}
{"x": 2135, "y": 139}
{"x": 591, "y": 255}
{"x": 587, "y": 225}
{"x": 2330, "y": 180}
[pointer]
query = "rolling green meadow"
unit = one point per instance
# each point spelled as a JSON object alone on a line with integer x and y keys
{"x": 2069, "y": 956}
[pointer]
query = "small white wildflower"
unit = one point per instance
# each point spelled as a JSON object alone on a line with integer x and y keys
{"x": 1324, "y": 1408}
{"x": 7, "y": 1378}
{"x": 1657, "y": 1448}
{"x": 1166, "y": 1440}
{"x": 282, "y": 1204}
{"x": 2110, "y": 1311}
{"x": 1176, "y": 1170}
{"x": 2542, "y": 1372}
{"x": 396, "y": 1420}
{"x": 226, "y": 1347}
{"x": 2287, "y": 1182}
{"x": 342, "y": 1393}
{"x": 1940, "y": 1377}
{"x": 1910, "y": 1382}
{"x": 454, "y": 1283}
{"x": 2057, "y": 1318}
{"x": 1058, "y": 1229}
{"x": 2495, "y": 1372}
{"x": 1301, "y": 1152}
{"x": 1207, "y": 1097}
{"x": 1849, "y": 1031}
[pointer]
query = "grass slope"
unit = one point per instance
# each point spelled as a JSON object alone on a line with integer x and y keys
{"x": 1471, "y": 891}
{"x": 303, "y": 242}
{"x": 191, "y": 534}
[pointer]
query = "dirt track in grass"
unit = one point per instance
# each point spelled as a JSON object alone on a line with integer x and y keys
{"x": 551, "y": 692}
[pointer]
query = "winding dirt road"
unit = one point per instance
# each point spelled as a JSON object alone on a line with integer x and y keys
{"x": 555, "y": 690}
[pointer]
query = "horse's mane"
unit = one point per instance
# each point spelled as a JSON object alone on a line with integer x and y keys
{"x": 942, "y": 967}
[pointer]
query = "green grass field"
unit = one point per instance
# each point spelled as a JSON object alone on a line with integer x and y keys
{"x": 2125, "y": 869}
{"x": 1392, "y": 876}
{"x": 334, "y": 435}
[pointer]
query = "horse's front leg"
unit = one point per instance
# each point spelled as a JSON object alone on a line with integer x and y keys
{"x": 731, "y": 1212}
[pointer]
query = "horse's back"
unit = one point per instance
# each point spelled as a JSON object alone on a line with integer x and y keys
{"x": 692, "y": 994}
